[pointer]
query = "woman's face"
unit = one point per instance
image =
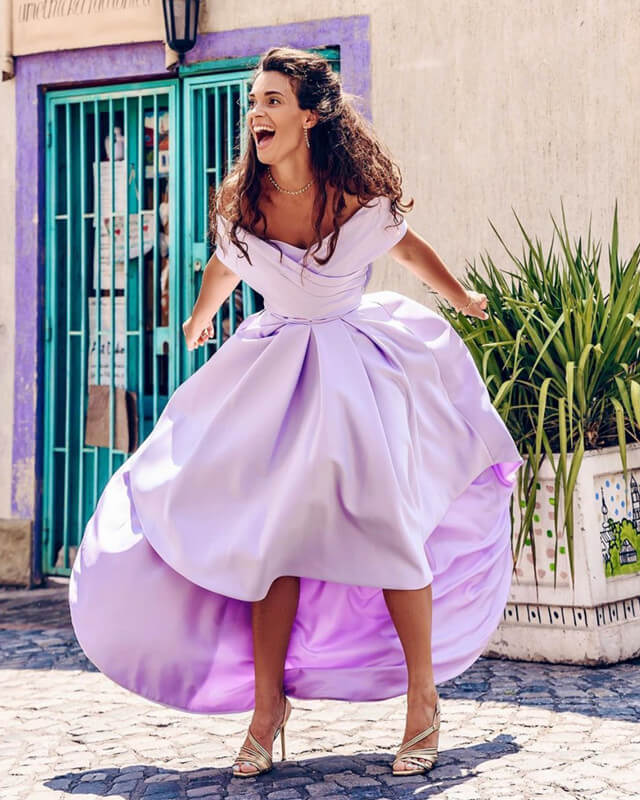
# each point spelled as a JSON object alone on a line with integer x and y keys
{"x": 273, "y": 104}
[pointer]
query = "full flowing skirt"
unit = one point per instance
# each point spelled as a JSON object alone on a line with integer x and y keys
{"x": 359, "y": 453}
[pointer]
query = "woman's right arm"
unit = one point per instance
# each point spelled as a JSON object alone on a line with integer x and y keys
{"x": 218, "y": 281}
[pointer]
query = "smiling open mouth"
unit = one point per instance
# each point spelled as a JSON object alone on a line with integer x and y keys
{"x": 264, "y": 137}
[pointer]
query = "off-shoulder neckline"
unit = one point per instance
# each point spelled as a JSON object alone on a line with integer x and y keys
{"x": 324, "y": 238}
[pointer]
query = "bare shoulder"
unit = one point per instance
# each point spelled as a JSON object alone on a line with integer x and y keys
{"x": 227, "y": 198}
{"x": 352, "y": 205}
{"x": 226, "y": 193}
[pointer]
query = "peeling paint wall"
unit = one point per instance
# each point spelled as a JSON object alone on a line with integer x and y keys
{"x": 7, "y": 299}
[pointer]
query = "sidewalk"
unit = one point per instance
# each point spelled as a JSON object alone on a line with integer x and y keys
{"x": 510, "y": 730}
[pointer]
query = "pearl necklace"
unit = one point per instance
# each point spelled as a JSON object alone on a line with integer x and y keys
{"x": 288, "y": 191}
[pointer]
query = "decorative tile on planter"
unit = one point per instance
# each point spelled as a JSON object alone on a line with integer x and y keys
{"x": 596, "y": 618}
{"x": 620, "y": 524}
{"x": 543, "y": 530}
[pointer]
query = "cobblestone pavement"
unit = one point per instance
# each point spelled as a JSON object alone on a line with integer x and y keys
{"x": 510, "y": 730}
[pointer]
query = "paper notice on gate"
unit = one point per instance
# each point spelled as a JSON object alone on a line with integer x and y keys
{"x": 121, "y": 180}
{"x": 101, "y": 341}
{"x": 114, "y": 233}
{"x": 117, "y": 244}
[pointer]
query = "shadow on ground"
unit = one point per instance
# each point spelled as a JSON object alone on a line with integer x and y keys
{"x": 363, "y": 775}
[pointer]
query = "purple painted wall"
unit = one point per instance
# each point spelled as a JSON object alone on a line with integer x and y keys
{"x": 109, "y": 64}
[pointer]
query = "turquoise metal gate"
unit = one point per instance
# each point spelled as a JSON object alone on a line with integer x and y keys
{"x": 124, "y": 242}
{"x": 214, "y": 134}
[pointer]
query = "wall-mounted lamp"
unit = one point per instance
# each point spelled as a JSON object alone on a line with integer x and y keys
{"x": 181, "y": 24}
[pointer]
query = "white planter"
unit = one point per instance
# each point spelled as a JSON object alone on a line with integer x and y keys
{"x": 597, "y": 619}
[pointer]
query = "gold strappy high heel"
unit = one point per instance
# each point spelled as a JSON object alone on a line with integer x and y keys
{"x": 256, "y": 755}
{"x": 424, "y": 758}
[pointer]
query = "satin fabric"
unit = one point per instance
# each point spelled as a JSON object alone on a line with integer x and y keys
{"x": 341, "y": 436}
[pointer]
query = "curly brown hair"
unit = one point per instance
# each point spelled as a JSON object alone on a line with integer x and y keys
{"x": 344, "y": 149}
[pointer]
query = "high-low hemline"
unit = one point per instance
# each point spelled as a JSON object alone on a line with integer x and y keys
{"x": 359, "y": 453}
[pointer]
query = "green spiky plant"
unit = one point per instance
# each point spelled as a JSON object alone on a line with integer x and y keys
{"x": 561, "y": 360}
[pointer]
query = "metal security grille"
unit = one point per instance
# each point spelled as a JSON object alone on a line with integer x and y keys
{"x": 129, "y": 174}
{"x": 123, "y": 203}
{"x": 214, "y": 135}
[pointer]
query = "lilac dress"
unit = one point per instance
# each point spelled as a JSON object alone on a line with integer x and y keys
{"x": 343, "y": 437}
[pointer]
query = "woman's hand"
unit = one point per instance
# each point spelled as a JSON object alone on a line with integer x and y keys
{"x": 196, "y": 332}
{"x": 474, "y": 305}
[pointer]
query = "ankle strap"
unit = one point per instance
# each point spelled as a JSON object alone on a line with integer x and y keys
{"x": 434, "y": 727}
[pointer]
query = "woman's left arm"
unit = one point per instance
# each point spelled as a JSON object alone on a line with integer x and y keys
{"x": 417, "y": 255}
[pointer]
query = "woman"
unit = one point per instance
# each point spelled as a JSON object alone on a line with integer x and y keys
{"x": 336, "y": 459}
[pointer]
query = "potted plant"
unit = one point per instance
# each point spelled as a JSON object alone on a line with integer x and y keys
{"x": 560, "y": 355}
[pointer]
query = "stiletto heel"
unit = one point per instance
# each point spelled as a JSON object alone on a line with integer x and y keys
{"x": 423, "y": 758}
{"x": 255, "y": 754}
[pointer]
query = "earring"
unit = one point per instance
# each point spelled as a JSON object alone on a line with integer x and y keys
{"x": 306, "y": 135}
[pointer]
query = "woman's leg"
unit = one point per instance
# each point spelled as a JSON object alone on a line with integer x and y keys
{"x": 272, "y": 620}
{"x": 410, "y": 610}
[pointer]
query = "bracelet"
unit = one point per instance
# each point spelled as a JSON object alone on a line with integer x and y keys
{"x": 461, "y": 310}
